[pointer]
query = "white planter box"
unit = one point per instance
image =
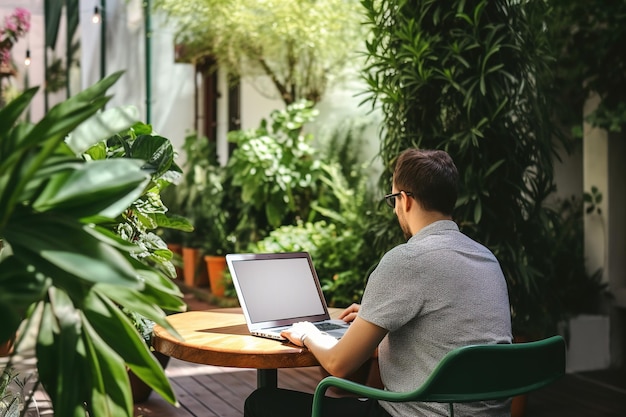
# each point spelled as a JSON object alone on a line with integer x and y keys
{"x": 588, "y": 347}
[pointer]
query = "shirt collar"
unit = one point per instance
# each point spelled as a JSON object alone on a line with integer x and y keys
{"x": 435, "y": 227}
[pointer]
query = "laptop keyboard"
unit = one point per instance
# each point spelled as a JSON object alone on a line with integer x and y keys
{"x": 327, "y": 326}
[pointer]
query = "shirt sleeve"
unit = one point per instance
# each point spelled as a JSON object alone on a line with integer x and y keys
{"x": 393, "y": 295}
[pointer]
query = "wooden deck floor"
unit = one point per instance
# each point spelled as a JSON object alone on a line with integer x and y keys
{"x": 213, "y": 391}
{"x": 206, "y": 391}
{"x": 209, "y": 391}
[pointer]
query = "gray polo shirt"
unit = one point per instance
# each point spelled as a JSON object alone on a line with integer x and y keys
{"x": 438, "y": 291}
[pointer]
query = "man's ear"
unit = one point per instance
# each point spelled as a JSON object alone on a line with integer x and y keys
{"x": 407, "y": 201}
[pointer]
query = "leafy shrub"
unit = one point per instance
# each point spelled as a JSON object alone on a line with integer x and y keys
{"x": 274, "y": 174}
{"x": 63, "y": 273}
{"x": 201, "y": 195}
{"x": 341, "y": 244}
{"x": 474, "y": 79}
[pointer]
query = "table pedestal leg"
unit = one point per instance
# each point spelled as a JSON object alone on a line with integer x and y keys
{"x": 267, "y": 378}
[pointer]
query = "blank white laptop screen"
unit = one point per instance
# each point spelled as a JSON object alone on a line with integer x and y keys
{"x": 278, "y": 289}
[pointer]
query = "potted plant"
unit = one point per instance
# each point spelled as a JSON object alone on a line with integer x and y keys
{"x": 148, "y": 213}
{"x": 199, "y": 198}
{"x": 50, "y": 199}
{"x": 139, "y": 222}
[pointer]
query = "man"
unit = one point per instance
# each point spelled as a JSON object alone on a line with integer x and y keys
{"x": 438, "y": 291}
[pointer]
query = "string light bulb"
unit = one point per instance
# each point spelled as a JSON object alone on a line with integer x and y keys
{"x": 96, "y": 15}
{"x": 27, "y": 59}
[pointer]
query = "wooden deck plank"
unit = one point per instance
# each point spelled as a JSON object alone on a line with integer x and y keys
{"x": 201, "y": 388}
{"x": 206, "y": 391}
{"x": 574, "y": 395}
{"x": 199, "y": 400}
{"x": 299, "y": 379}
{"x": 227, "y": 398}
{"x": 577, "y": 396}
{"x": 238, "y": 383}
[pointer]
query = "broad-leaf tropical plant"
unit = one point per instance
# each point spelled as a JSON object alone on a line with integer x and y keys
{"x": 64, "y": 271}
{"x": 138, "y": 223}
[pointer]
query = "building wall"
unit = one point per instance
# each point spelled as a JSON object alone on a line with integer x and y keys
{"x": 604, "y": 168}
{"x": 170, "y": 107}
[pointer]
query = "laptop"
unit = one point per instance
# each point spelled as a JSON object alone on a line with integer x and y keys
{"x": 276, "y": 290}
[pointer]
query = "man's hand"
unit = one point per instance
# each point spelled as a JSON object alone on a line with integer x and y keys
{"x": 298, "y": 332}
{"x": 349, "y": 314}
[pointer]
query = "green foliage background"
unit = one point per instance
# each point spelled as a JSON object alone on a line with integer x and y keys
{"x": 473, "y": 78}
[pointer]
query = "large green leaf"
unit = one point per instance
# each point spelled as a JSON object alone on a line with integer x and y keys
{"x": 110, "y": 394}
{"x": 160, "y": 287}
{"x": 9, "y": 115}
{"x": 100, "y": 187}
{"x": 19, "y": 288}
{"x": 102, "y": 126}
{"x": 47, "y": 135}
{"x": 45, "y": 238}
{"x": 67, "y": 115}
{"x": 110, "y": 324}
{"x": 61, "y": 356}
{"x": 141, "y": 303}
{"x": 157, "y": 151}
{"x": 174, "y": 221}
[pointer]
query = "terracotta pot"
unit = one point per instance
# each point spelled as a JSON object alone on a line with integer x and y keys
{"x": 518, "y": 405}
{"x": 216, "y": 265}
{"x": 194, "y": 271}
{"x": 6, "y": 348}
{"x": 141, "y": 391}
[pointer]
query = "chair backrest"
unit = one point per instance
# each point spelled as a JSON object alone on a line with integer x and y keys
{"x": 489, "y": 372}
{"x": 472, "y": 373}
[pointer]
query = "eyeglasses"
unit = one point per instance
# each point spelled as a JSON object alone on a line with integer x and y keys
{"x": 391, "y": 198}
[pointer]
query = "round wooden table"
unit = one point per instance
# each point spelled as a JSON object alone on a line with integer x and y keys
{"x": 220, "y": 337}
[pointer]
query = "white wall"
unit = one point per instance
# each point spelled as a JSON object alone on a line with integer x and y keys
{"x": 340, "y": 107}
{"x": 595, "y": 169}
{"x": 258, "y": 99}
{"x": 172, "y": 86}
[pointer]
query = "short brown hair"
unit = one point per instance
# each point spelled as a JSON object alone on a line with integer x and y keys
{"x": 431, "y": 176}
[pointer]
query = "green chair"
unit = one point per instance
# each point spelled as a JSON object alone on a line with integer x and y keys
{"x": 472, "y": 373}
